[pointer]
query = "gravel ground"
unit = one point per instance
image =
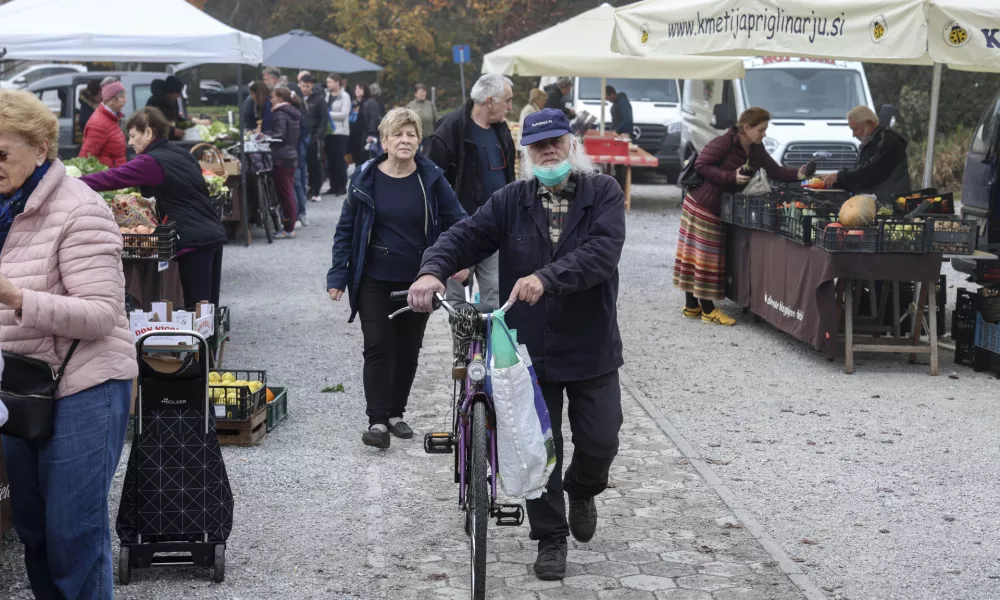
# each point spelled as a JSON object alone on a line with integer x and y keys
{"x": 812, "y": 453}
{"x": 890, "y": 471}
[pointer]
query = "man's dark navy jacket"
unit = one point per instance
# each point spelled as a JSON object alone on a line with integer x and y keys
{"x": 572, "y": 332}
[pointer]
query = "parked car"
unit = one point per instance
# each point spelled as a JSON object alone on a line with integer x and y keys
{"x": 213, "y": 93}
{"x": 29, "y": 75}
{"x": 981, "y": 182}
{"x": 62, "y": 95}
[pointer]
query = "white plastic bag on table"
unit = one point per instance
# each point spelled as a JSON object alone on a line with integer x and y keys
{"x": 759, "y": 185}
{"x": 525, "y": 449}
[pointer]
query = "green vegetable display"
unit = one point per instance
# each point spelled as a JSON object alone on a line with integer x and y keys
{"x": 86, "y": 166}
{"x": 216, "y": 185}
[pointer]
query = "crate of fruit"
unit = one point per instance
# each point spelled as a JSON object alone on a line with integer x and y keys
{"x": 937, "y": 204}
{"x": 834, "y": 237}
{"x": 902, "y": 237}
{"x": 237, "y": 394}
{"x": 952, "y": 236}
{"x": 159, "y": 245}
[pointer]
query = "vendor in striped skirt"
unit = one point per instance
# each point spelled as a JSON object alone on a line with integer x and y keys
{"x": 727, "y": 163}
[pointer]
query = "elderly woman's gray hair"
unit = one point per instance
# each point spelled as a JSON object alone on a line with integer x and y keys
{"x": 579, "y": 160}
{"x": 489, "y": 86}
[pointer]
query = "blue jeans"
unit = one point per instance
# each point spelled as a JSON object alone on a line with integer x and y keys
{"x": 302, "y": 176}
{"x": 59, "y": 493}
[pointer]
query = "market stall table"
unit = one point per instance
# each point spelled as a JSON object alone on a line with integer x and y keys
{"x": 151, "y": 281}
{"x": 791, "y": 286}
{"x": 637, "y": 157}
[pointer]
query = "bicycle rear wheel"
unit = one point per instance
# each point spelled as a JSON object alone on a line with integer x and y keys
{"x": 275, "y": 209}
{"x": 264, "y": 200}
{"x": 478, "y": 499}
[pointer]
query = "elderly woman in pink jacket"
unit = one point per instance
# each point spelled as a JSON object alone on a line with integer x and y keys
{"x": 61, "y": 281}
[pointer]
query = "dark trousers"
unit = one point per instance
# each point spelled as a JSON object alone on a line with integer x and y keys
{"x": 201, "y": 275}
{"x": 336, "y": 148}
{"x": 284, "y": 182}
{"x": 391, "y": 349}
{"x": 595, "y": 417}
{"x": 314, "y": 166}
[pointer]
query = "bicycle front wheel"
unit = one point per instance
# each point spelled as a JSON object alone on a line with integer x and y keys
{"x": 478, "y": 499}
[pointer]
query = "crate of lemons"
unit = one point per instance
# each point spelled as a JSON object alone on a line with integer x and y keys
{"x": 240, "y": 397}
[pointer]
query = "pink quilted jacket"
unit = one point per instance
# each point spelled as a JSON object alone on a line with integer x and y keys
{"x": 64, "y": 252}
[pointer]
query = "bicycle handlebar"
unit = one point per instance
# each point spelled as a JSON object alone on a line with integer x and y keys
{"x": 399, "y": 296}
{"x": 439, "y": 301}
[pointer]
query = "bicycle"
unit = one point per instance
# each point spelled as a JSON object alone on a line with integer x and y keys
{"x": 472, "y": 425}
{"x": 267, "y": 209}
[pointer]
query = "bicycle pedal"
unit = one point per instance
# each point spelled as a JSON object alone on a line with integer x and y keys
{"x": 509, "y": 515}
{"x": 439, "y": 442}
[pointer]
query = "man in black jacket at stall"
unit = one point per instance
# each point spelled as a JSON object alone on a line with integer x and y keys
{"x": 474, "y": 147}
{"x": 559, "y": 237}
{"x": 314, "y": 102}
{"x": 882, "y": 168}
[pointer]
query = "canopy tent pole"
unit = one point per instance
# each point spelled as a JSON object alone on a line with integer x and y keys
{"x": 604, "y": 88}
{"x": 932, "y": 126}
{"x": 244, "y": 204}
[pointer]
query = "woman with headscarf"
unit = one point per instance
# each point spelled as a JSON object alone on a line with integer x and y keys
{"x": 103, "y": 137}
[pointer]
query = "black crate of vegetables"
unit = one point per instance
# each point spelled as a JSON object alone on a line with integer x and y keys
{"x": 834, "y": 237}
{"x": 902, "y": 237}
{"x": 952, "y": 236}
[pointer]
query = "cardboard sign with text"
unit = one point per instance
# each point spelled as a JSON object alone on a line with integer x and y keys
{"x": 162, "y": 318}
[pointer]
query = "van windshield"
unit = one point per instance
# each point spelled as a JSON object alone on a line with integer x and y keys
{"x": 637, "y": 90}
{"x": 805, "y": 93}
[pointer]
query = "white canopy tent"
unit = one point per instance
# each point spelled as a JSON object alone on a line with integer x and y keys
{"x": 965, "y": 34}
{"x": 121, "y": 30}
{"x": 576, "y": 48}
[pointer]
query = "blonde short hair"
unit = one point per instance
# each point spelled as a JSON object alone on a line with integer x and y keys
{"x": 862, "y": 114}
{"x": 24, "y": 114}
{"x": 398, "y": 118}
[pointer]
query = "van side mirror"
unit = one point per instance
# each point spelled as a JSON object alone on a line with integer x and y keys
{"x": 721, "y": 117}
{"x": 887, "y": 114}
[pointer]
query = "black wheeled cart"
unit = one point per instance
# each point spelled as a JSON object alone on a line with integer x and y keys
{"x": 176, "y": 506}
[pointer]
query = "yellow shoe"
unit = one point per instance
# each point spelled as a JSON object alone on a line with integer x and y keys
{"x": 719, "y": 317}
{"x": 692, "y": 313}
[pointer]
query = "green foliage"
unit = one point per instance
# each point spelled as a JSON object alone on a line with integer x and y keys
{"x": 914, "y": 110}
{"x": 87, "y": 166}
{"x": 950, "y": 152}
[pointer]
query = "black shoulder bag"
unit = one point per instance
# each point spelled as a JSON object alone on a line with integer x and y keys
{"x": 689, "y": 177}
{"x": 28, "y": 390}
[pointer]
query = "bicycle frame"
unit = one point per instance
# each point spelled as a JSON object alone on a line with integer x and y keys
{"x": 473, "y": 392}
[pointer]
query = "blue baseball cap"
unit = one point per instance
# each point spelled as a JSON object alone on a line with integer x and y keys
{"x": 544, "y": 124}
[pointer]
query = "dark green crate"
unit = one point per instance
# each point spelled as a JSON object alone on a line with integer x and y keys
{"x": 277, "y": 411}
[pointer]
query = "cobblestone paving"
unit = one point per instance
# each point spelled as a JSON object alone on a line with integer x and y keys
{"x": 662, "y": 534}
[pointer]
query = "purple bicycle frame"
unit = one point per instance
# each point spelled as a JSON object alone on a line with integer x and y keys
{"x": 474, "y": 392}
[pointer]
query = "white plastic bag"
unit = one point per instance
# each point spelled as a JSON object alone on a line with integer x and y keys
{"x": 525, "y": 449}
{"x": 758, "y": 185}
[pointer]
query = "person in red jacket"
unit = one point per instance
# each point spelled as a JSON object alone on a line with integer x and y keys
{"x": 103, "y": 137}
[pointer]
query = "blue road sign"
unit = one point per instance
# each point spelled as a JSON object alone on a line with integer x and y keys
{"x": 461, "y": 53}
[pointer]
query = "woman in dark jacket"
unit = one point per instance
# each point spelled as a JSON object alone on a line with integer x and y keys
{"x": 286, "y": 125}
{"x": 90, "y": 100}
{"x": 397, "y": 205}
{"x": 173, "y": 176}
{"x": 356, "y": 138}
{"x": 371, "y": 112}
{"x": 700, "y": 266}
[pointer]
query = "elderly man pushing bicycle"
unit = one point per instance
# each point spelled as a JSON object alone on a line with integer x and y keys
{"x": 560, "y": 234}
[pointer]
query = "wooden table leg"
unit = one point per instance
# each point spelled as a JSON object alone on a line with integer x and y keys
{"x": 932, "y": 325}
{"x": 895, "y": 310}
{"x": 628, "y": 187}
{"x": 849, "y": 327}
{"x": 918, "y": 316}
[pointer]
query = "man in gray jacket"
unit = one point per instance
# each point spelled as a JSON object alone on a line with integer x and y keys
{"x": 338, "y": 102}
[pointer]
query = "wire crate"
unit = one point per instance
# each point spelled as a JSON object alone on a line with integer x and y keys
{"x": 159, "y": 246}
{"x": 987, "y": 271}
{"x": 902, "y": 237}
{"x": 862, "y": 240}
{"x": 952, "y": 236}
{"x": 761, "y": 216}
{"x": 940, "y": 204}
{"x": 735, "y": 210}
{"x": 238, "y": 402}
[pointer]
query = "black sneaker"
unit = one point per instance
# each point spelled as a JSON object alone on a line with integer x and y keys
{"x": 375, "y": 438}
{"x": 401, "y": 430}
{"x": 582, "y": 519}
{"x": 551, "y": 562}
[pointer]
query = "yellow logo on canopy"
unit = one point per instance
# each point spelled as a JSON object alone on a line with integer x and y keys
{"x": 955, "y": 34}
{"x": 644, "y": 37}
{"x": 878, "y": 29}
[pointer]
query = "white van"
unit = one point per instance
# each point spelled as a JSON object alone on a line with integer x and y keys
{"x": 656, "y": 113}
{"x": 808, "y": 100}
